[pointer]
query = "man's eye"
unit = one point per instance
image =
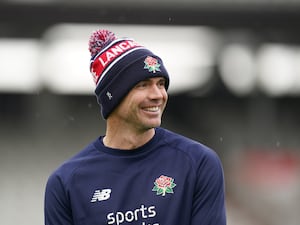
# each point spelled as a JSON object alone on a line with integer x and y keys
{"x": 162, "y": 83}
{"x": 141, "y": 84}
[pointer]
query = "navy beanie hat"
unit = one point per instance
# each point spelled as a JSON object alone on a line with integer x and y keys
{"x": 117, "y": 65}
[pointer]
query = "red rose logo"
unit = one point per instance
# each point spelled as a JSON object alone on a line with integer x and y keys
{"x": 163, "y": 185}
{"x": 151, "y": 64}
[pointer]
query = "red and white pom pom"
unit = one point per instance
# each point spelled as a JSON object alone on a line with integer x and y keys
{"x": 99, "y": 39}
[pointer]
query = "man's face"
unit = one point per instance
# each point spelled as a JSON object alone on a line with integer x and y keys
{"x": 143, "y": 106}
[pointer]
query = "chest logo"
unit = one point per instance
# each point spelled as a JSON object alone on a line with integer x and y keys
{"x": 164, "y": 185}
{"x": 101, "y": 195}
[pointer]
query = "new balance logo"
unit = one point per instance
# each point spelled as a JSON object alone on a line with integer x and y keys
{"x": 109, "y": 95}
{"x": 101, "y": 195}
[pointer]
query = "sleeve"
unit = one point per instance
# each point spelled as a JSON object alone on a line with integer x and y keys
{"x": 57, "y": 210}
{"x": 209, "y": 198}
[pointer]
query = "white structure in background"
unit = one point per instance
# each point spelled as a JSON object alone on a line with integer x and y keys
{"x": 277, "y": 69}
{"x": 18, "y": 65}
{"x": 238, "y": 68}
{"x": 59, "y": 61}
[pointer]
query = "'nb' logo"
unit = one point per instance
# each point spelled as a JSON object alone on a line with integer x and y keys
{"x": 101, "y": 195}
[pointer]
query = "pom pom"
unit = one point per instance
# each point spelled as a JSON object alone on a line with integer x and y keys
{"x": 99, "y": 39}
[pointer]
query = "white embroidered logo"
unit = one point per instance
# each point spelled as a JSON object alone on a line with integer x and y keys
{"x": 109, "y": 95}
{"x": 101, "y": 195}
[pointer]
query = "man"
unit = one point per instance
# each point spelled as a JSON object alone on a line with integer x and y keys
{"x": 137, "y": 173}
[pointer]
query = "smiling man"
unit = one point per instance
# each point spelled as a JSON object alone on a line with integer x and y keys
{"x": 137, "y": 172}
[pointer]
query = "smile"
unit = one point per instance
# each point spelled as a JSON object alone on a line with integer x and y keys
{"x": 152, "y": 109}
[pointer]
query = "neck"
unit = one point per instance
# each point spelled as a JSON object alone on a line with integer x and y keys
{"x": 126, "y": 138}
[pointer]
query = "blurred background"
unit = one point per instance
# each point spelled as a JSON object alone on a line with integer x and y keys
{"x": 235, "y": 86}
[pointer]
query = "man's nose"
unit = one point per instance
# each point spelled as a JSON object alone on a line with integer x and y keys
{"x": 156, "y": 92}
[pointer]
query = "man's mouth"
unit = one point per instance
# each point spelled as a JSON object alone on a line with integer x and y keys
{"x": 152, "y": 109}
